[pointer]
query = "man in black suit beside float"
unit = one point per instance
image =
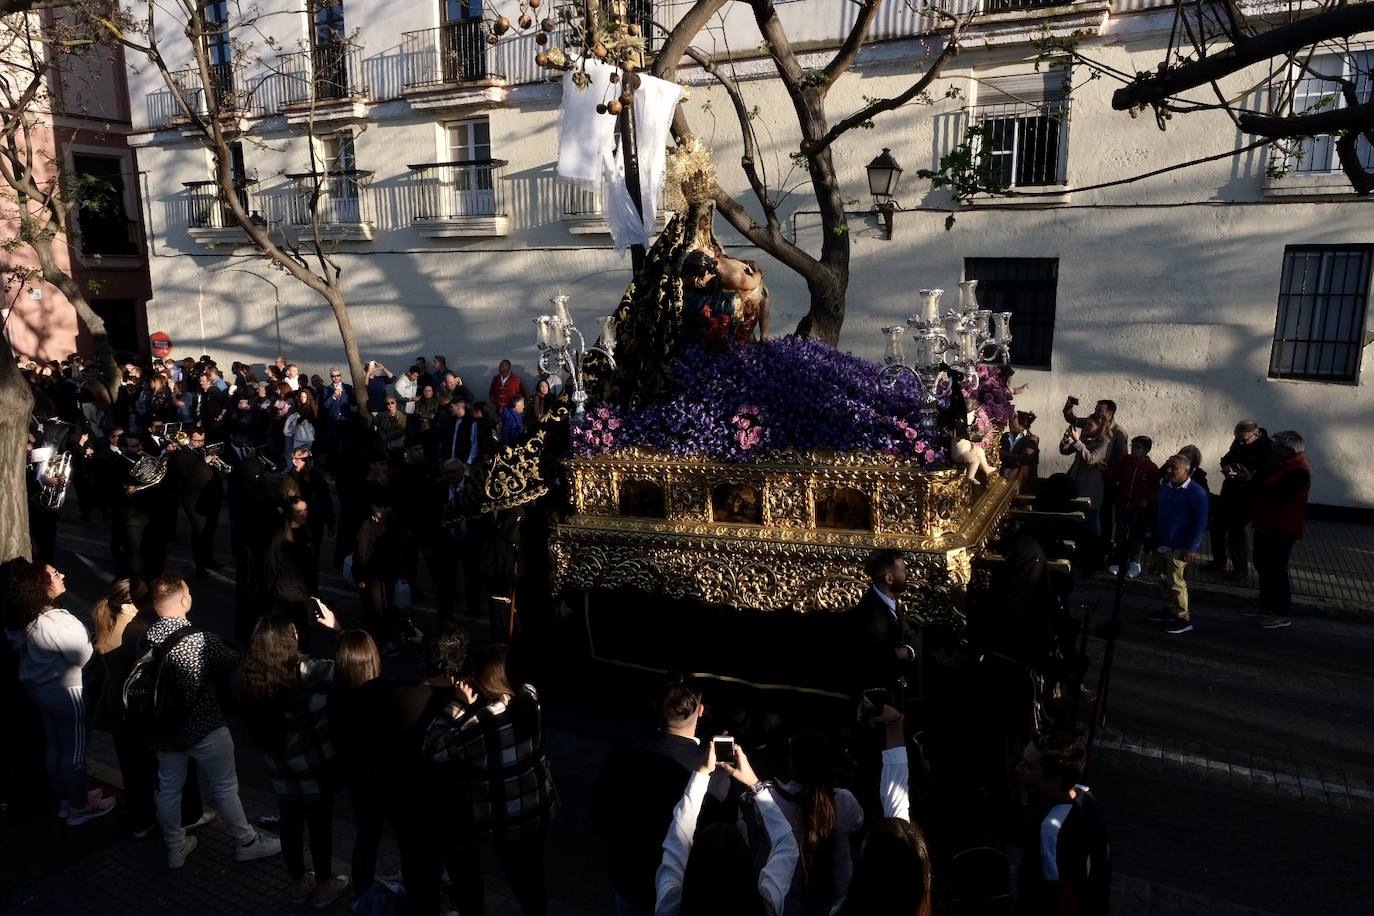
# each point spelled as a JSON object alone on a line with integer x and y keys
{"x": 884, "y": 642}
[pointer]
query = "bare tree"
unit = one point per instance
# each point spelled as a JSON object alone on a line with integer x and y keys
{"x": 212, "y": 102}
{"x": 826, "y": 274}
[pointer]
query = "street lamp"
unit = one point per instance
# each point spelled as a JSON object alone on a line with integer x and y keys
{"x": 883, "y": 175}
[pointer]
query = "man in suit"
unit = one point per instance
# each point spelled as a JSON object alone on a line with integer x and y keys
{"x": 884, "y": 642}
{"x": 337, "y": 409}
{"x": 212, "y": 409}
{"x": 201, "y": 494}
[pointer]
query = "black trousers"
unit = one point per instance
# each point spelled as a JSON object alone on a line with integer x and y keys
{"x": 1271, "y": 562}
{"x": 369, "y": 815}
{"x": 204, "y": 521}
{"x": 319, "y": 816}
{"x": 1228, "y": 533}
{"x": 430, "y": 844}
{"x": 143, "y": 547}
{"x": 42, "y": 533}
{"x": 138, "y": 766}
{"x": 523, "y": 862}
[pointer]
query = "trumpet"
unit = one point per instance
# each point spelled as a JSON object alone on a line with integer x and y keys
{"x": 212, "y": 458}
{"x": 58, "y": 468}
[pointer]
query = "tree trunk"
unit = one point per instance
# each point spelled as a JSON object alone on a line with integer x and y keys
{"x": 826, "y": 316}
{"x": 95, "y": 325}
{"x": 16, "y": 406}
{"x": 350, "y": 345}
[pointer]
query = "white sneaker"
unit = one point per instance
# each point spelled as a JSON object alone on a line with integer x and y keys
{"x": 1114, "y": 569}
{"x": 260, "y": 848}
{"x": 326, "y": 893}
{"x": 178, "y": 859}
{"x": 1133, "y": 570}
{"x": 94, "y": 809}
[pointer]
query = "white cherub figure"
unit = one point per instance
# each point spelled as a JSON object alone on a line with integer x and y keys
{"x": 972, "y": 456}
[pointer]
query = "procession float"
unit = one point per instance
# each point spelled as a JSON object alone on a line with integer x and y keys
{"x": 696, "y": 462}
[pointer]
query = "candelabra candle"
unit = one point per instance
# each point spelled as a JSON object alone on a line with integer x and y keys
{"x": 894, "y": 355}
{"x": 930, "y": 304}
{"x": 544, "y": 331}
{"x": 560, "y": 309}
{"x": 1002, "y": 323}
{"x": 607, "y": 325}
{"x": 983, "y": 322}
{"x": 968, "y": 295}
{"x": 968, "y": 345}
{"x": 928, "y": 350}
{"x": 952, "y": 325}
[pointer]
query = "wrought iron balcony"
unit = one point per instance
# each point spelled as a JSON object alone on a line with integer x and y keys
{"x": 457, "y": 190}
{"x": 207, "y": 207}
{"x": 1004, "y": 6}
{"x": 455, "y": 52}
{"x": 325, "y": 73}
{"x": 339, "y": 198}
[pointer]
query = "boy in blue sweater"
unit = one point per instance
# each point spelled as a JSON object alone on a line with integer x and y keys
{"x": 1180, "y": 522}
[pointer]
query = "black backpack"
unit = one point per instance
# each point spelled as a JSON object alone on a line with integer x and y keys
{"x": 152, "y": 703}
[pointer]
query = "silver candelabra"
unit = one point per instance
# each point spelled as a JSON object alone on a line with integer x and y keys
{"x": 956, "y": 341}
{"x": 558, "y": 353}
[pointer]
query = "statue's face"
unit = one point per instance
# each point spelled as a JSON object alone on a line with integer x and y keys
{"x": 739, "y": 276}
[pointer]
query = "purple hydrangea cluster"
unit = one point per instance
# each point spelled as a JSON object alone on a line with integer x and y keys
{"x": 791, "y": 393}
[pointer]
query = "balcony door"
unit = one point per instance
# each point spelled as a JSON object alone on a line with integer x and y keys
{"x": 462, "y": 46}
{"x": 329, "y": 49}
{"x": 471, "y": 192}
{"x": 340, "y": 199}
{"x": 219, "y": 49}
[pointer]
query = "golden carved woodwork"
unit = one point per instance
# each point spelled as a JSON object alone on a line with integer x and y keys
{"x": 699, "y": 548}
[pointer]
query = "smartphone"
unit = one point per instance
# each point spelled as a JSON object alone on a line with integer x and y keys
{"x": 875, "y": 698}
{"x": 725, "y": 749}
{"x": 319, "y": 608}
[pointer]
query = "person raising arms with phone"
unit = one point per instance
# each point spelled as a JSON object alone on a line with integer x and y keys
{"x": 702, "y": 869}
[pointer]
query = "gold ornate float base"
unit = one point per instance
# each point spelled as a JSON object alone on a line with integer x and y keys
{"x": 790, "y": 533}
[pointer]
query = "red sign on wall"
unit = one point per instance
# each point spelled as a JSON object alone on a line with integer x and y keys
{"x": 162, "y": 344}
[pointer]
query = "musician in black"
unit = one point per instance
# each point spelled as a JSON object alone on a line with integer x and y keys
{"x": 42, "y": 520}
{"x": 212, "y": 409}
{"x": 138, "y": 499}
{"x": 200, "y": 492}
{"x": 252, "y": 513}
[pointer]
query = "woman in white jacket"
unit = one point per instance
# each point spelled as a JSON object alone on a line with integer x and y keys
{"x": 53, "y": 648}
{"x": 712, "y": 873}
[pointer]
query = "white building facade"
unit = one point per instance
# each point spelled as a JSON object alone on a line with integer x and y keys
{"x": 1193, "y": 298}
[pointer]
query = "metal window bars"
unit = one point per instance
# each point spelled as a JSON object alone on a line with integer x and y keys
{"x": 327, "y": 72}
{"x": 455, "y": 190}
{"x": 1323, "y": 299}
{"x": 1023, "y": 144}
{"x": 207, "y": 207}
{"x": 1313, "y": 91}
{"x": 455, "y": 52}
{"x": 339, "y": 198}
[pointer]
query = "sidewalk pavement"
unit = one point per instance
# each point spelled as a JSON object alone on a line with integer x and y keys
{"x": 1332, "y": 570}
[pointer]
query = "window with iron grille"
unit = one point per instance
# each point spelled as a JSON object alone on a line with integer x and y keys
{"x": 1323, "y": 294}
{"x": 1320, "y": 87}
{"x": 101, "y": 214}
{"x": 1023, "y": 144}
{"x": 1026, "y": 287}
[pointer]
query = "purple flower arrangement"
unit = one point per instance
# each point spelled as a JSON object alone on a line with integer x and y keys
{"x": 740, "y": 403}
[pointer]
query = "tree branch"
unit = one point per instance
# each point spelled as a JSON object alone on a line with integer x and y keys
{"x": 749, "y": 157}
{"x": 844, "y": 58}
{"x": 950, "y": 50}
{"x": 1356, "y": 118}
{"x": 1338, "y": 22}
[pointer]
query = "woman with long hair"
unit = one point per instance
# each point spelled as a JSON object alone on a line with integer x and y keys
{"x": 279, "y": 409}
{"x": 53, "y": 647}
{"x": 823, "y": 818}
{"x": 119, "y": 627}
{"x": 285, "y": 707}
{"x": 495, "y": 736}
{"x": 185, "y": 403}
{"x": 358, "y": 664}
{"x": 541, "y": 402}
{"x": 299, "y": 429}
{"x": 702, "y": 868}
{"x": 162, "y": 404}
{"x": 892, "y": 876}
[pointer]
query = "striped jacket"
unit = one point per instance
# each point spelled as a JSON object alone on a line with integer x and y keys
{"x": 499, "y": 747}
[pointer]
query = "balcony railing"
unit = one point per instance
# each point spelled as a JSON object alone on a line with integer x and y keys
{"x": 581, "y": 202}
{"x": 1005, "y": 6}
{"x": 455, "y": 190}
{"x": 344, "y": 198}
{"x": 208, "y": 208}
{"x": 455, "y": 52}
{"x": 229, "y": 95}
{"x": 325, "y": 73}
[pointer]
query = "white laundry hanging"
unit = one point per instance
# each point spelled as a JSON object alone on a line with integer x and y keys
{"x": 583, "y": 134}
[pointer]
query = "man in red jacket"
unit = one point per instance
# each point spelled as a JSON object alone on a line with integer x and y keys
{"x": 505, "y": 385}
{"x": 1280, "y": 492}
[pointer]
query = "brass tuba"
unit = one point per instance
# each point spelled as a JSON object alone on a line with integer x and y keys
{"x": 58, "y": 467}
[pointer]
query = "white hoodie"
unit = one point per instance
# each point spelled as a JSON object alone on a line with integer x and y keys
{"x": 52, "y": 650}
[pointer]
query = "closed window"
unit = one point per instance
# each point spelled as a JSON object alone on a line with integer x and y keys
{"x": 471, "y": 189}
{"x": 1026, "y": 287}
{"x": 1023, "y": 145}
{"x": 1321, "y": 87}
{"x": 1319, "y": 331}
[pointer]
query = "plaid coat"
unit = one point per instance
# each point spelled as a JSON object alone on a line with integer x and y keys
{"x": 301, "y": 765}
{"x": 500, "y": 749}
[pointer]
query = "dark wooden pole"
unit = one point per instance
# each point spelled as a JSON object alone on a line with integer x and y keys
{"x": 629, "y": 148}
